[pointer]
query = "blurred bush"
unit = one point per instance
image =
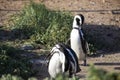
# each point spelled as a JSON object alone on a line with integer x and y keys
{"x": 11, "y": 62}
{"x": 100, "y": 74}
{"x": 10, "y": 77}
{"x": 63, "y": 77}
{"x": 13, "y": 77}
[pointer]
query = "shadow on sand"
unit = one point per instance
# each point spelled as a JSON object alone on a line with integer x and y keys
{"x": 104, "y": 37}
{"x": 107, "y": 63}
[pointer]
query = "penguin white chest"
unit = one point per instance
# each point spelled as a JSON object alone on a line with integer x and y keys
{"x": 76, "y": 44}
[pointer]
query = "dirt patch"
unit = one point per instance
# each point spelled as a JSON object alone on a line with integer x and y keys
{"x": 98, "y": 12}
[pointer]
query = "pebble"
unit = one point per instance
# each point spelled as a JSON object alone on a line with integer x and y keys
{"x": 27, "y": 47}
{"x": 92, "y": 3}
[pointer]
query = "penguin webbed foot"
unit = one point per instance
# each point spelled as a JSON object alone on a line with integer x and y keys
{"x": 84, "y": 63}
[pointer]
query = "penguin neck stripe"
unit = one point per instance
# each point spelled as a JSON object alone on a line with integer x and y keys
{"x": 76, "y": 28}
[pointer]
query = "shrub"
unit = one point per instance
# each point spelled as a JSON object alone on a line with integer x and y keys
{"x": 63, "y": 77}
{"x": 10, "y": 77}
{"x": 100, "y": 74}
{"x": 42, "y": 25}
{"x": 11, "y": 62}
{"x": 13, "y": 77}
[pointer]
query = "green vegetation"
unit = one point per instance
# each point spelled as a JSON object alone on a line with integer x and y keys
{"x": 13, "y": 77}
{"x": 41, "y": 25}
{"x": 63, "y": 77}
{"x": 100, "y": 74}
{"x": 11, "y": 62}
{"x": 10, "y": 77}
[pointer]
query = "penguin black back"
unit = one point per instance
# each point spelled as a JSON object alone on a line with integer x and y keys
{"x": 70, "y": 55}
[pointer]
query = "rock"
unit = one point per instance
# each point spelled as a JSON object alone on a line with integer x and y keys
{"x": 27, "y": 47}
{"x": 102, "y": 55}
{"x": 92, "y": 3}
{"x": 100, "y": 51}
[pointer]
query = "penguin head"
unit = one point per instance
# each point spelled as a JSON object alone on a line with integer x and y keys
{"x": 78, "y": 20}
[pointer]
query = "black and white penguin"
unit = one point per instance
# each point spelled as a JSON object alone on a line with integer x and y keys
{"x": 77, "y": 40}
{"x": 62, "y": 59}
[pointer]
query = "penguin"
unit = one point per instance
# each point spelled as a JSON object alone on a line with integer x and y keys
{"x": 77, "y": 39}
{"x": 62, "y": 59}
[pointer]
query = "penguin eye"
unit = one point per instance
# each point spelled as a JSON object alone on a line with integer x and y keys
{"x": 78, "y": 21}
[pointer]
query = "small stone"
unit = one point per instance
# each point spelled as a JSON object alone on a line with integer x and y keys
{"x": 92, "y": 3}
{"x": 117, "y": 20}
{"x": 27, "y": 47}
{"x": 102, "y": 55}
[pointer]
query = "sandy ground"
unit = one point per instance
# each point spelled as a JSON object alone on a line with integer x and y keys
{"x": 95, "y": 12}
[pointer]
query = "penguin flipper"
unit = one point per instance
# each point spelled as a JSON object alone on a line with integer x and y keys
{"x": 68, "y": 42}
{"x": 87, "y": 48}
